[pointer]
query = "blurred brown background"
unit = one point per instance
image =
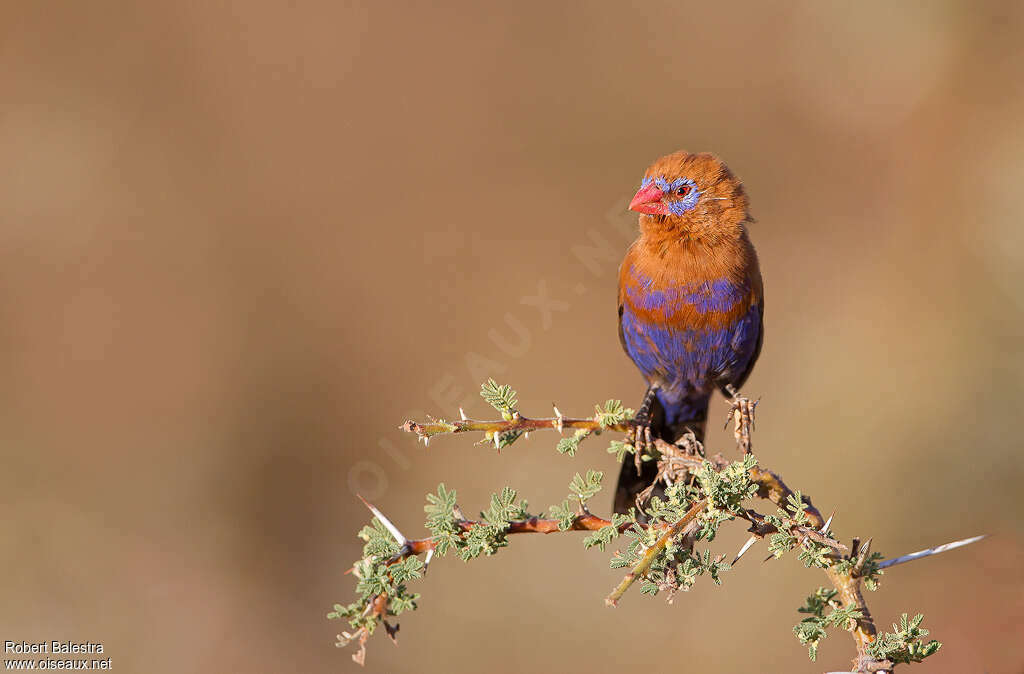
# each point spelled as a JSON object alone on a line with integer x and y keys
{"x": 241, "y": 243}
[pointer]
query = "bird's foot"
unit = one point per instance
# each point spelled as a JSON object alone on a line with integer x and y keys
{"x": 642, "y": 442}
{"x": 741, "y": 414}
{"x": 640, "y": 436}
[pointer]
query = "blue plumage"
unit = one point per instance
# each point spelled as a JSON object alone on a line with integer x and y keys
{"x": 688, "y": 361}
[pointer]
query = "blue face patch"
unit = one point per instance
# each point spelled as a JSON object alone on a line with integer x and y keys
{"x": 679, "y": 204}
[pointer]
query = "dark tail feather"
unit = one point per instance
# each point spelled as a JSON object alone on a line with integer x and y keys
{"x": 630, "y": 483}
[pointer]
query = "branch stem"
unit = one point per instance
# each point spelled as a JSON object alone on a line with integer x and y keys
{"x": 652, "y": 553}
{"x": 520, "y": 424}
{"x": 533, "y": 525}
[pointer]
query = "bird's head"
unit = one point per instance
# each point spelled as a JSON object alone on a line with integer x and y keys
{"x": 690, "y": 195}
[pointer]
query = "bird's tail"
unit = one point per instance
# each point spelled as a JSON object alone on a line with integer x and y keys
{"x": 631, "y": 483}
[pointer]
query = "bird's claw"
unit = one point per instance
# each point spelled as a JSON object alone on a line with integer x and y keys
{"x": 641, "y": 440}
{"x": 741, "y": 414}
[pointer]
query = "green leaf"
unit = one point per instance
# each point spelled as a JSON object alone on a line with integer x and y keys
{"x": 441, "y": 520}
{"x": 410, "y": 568}
{"x": 844, "y": 617}
{"x": 781, "y": 543}
{"x": 403, "y": 602}
{"x": 810, "y": 632}
{"x": 816, "y": 603}
{"x": 379, "y": 541}
{"x": 727, "y": 489}
{"x": 504, "y": 508}
{"x": 500, "y": 397}
{"x": 586, "y": 487}
{"x": 648, "y": 587}
{"x": 814, "y": 555}
{"x": 570, "y": 444}
{"x": 904, "y": 644}
{"x": 606, "y": 534}
{"x": 620, "y": 450}
{"x": 612, "y": 414}
{"x": 565, "y": 514}
{"x": 796, "y": 505}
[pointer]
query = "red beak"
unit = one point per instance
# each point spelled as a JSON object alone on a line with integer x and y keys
{"x": 648, "y": 200}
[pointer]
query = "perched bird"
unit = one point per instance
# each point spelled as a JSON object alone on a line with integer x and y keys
{"x": 691, "y": 305}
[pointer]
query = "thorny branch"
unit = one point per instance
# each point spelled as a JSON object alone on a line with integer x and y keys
{"x": 845, "y": 566}
{"x": 518, "y": 424}
{"x": 533, "y": 525}
{"x": 687, "y": 521}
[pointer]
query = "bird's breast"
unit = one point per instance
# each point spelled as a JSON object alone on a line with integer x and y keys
{"x": 688, "y": 321}
{"x": 705, "y": 304}
{"x": 687, "y": 289}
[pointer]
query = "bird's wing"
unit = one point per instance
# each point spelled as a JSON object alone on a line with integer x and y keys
{"x": 622, "y": 293}
{"x": 738, "y": 382}
{"x": 622, "y": 336}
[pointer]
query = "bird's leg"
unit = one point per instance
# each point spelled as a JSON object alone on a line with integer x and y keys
{"x": 642, "y": 430}
{"x": 741, "y": 413}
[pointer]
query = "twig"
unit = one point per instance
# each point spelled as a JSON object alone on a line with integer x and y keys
{"x": 772, "y": 488}
{"x": 651, "y": 553}
{"x": 533, "y": 525}
{"x": 425, "y": 431}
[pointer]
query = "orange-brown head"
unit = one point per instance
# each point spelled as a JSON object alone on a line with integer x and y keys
{"x": 690, "y": 195}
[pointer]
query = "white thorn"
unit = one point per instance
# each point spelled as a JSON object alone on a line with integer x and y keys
{"x": 930, "y": 551}
{"x": 526, "y": 435}
{"x": 426, "y": 440}
{"x": 426, "y": 562}
{"x": 827, "y": 523}
{"x": 402, "y": 540}
{"x": 462, "y": 414}
{"x": 743, "y": 550}
{"x": 558, "y": 423}
{"x": 497, "y": 440}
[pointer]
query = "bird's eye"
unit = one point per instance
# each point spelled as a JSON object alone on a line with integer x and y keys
{"x": 684, "y": 190}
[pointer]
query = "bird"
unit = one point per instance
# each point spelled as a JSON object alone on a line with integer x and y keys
{"x": 690, "y": 301}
